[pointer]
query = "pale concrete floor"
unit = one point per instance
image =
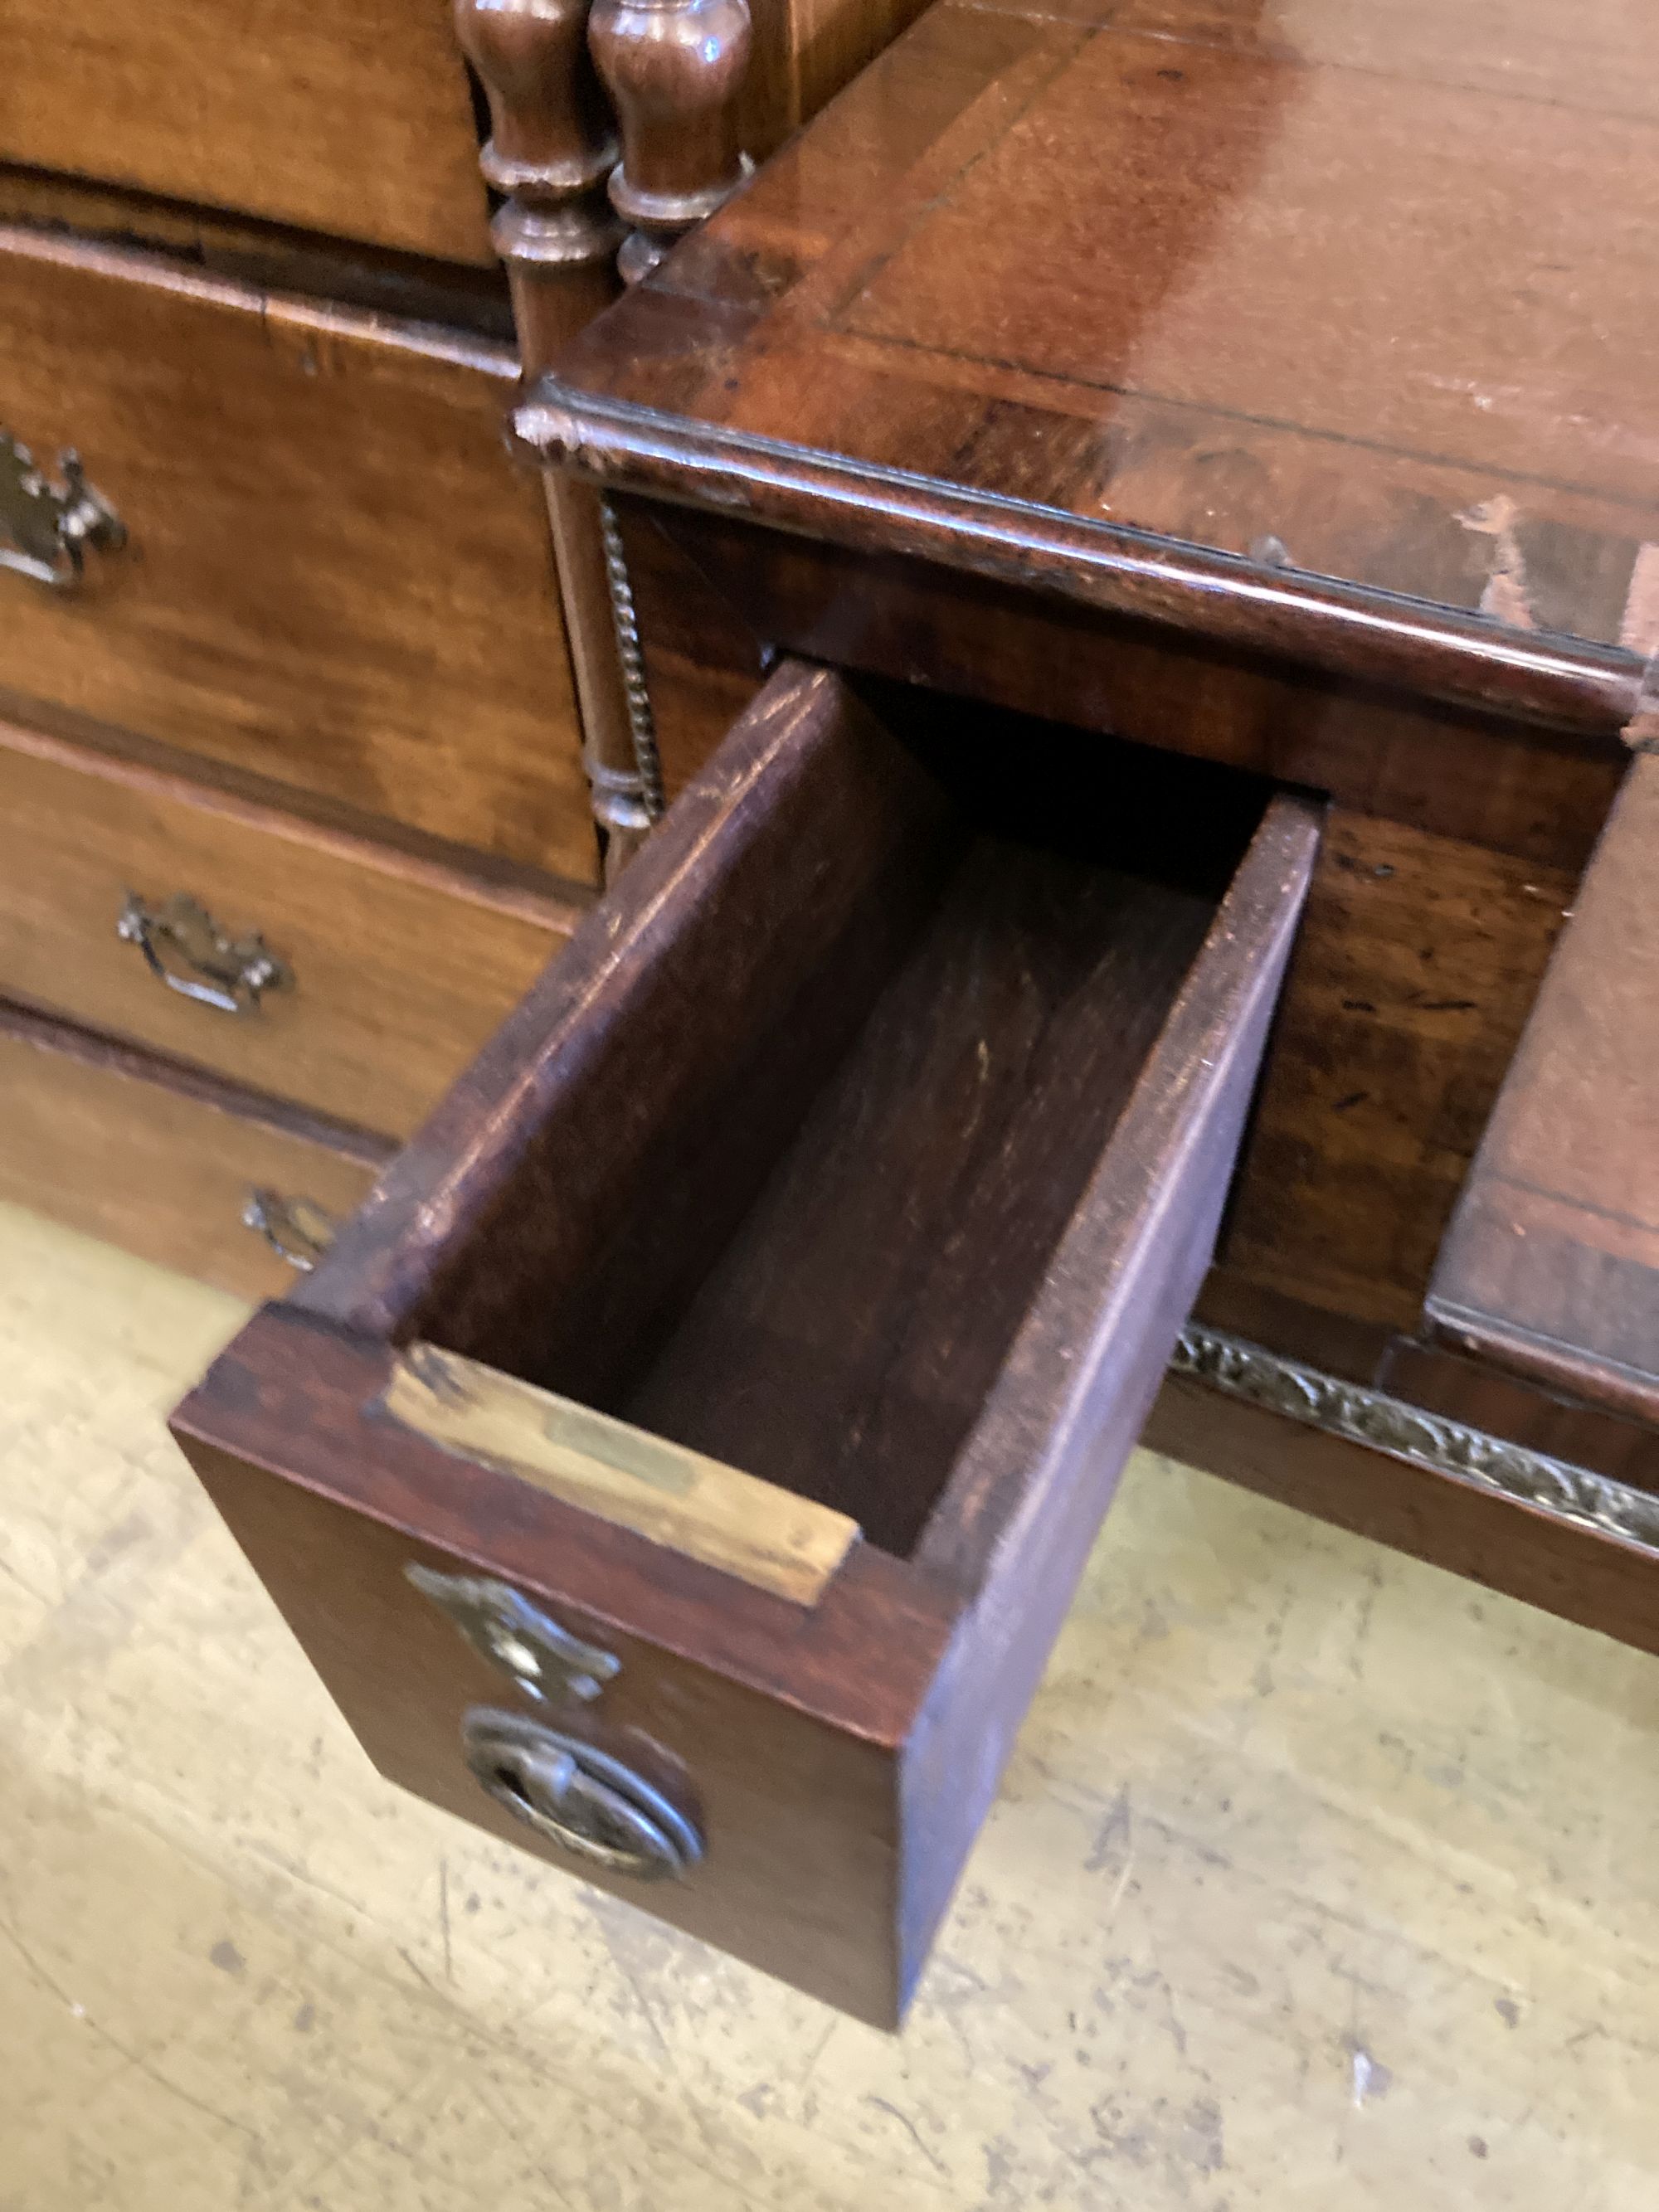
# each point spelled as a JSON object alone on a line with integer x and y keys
{"x": 1319, "y": 1879}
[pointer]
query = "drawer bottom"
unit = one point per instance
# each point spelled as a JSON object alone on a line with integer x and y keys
{"x": 163, "y": 1160}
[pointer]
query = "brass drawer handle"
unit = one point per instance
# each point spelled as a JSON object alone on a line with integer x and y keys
{"x": 50, "y": 525}
{"x": 588, "y": 1803}
{"x": 297, "y": 1229}
{"x": 185, "y": 948}
{"x": 544, "y": 1659}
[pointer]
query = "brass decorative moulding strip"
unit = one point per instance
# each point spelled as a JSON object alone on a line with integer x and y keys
{"x": 1240, "y": 1370}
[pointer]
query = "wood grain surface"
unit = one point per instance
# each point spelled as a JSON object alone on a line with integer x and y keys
{"x": 1411, "y": 979}
{"x": 332, "y": 578}
{"x": 1226, "y": 330}
{"x": 400, "y": 968}
{"x": 353, "y": 120}
{"x": 159, "y": 1160}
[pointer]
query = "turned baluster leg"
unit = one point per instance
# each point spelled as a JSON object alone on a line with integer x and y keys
{"x": 551, "y": 148}
{"x": 673, "y": 69}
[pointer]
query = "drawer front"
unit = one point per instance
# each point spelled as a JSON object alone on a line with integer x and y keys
{"x": 332, "y": 576}
{"x": 163, "y": 1165}
{"x": 683, "y": 1461}
{"x": 353, "y": 120}
{"x": 325, "y": 970}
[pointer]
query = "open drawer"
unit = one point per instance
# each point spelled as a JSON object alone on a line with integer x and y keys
{"x": 742, "y": 1357}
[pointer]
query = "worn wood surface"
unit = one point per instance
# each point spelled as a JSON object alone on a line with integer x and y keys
{"x": 930, "y": 1262}
{"x": 1041, "y": 287}
{"x": 401, "y": 968}
{"x": 1306, "y": 1882}
{"x": 160, "y": 1160}
{"x": 1552, "y": 1266}
{"x": 354, "y": 121}
{"x": 683, "y": 1499}
{"x": 332, "y": 578}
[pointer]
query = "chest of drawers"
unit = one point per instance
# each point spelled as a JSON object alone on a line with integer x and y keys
{"x": 314, "y": 734}
{"x": 1139, "y": 584}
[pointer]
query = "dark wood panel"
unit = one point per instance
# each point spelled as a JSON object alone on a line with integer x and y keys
{"x": 461, "y": 294}
{"x": 1458, "y": 773}
{"x": 1551, "y": 1265}
{"x": 1410, "y": 981}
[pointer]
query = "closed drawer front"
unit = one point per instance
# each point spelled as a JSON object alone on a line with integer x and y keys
{"x": 168, "y": 1166}
{"x": 353, "y": 120}
{"x": 683, "y": 1461}
{"x": 332, "y": 576}
{"x": 325, "y": 970}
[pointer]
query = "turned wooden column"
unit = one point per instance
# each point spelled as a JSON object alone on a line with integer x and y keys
{"x": 551, "y": 148}
{"x": 673, "y": 69}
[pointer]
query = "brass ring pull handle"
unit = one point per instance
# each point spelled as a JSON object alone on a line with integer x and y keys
{"x": 184, "y": 948}
{"x": 590, "y": 1804}
{"x": 297, "y": 1229}
{"x": 46, "y": 527}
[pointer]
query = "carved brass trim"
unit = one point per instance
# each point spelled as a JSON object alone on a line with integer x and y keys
{"x": 1575, "y": 1494}
{"x": 50, "y": 525}
{"x": 642, "y": 723}
{"x": 207, "y": 963}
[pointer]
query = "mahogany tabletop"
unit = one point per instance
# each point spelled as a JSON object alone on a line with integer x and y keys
{"x": 1328, "y": 290}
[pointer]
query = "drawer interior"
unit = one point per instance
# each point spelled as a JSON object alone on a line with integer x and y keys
{"x": 783, "y": 1188}
{"x": 759, "y": 1326}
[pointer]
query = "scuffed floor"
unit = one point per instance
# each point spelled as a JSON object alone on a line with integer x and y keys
{"x": 1318, "y": 1879}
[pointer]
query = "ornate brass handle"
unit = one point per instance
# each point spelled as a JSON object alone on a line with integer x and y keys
{"x": 582, "y": 1799}
{"x": 210, "y": 966}
{"x": 297, "y": 1229}
{"x": 50, "y": 525}
{"x": 544, "y": 1659}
